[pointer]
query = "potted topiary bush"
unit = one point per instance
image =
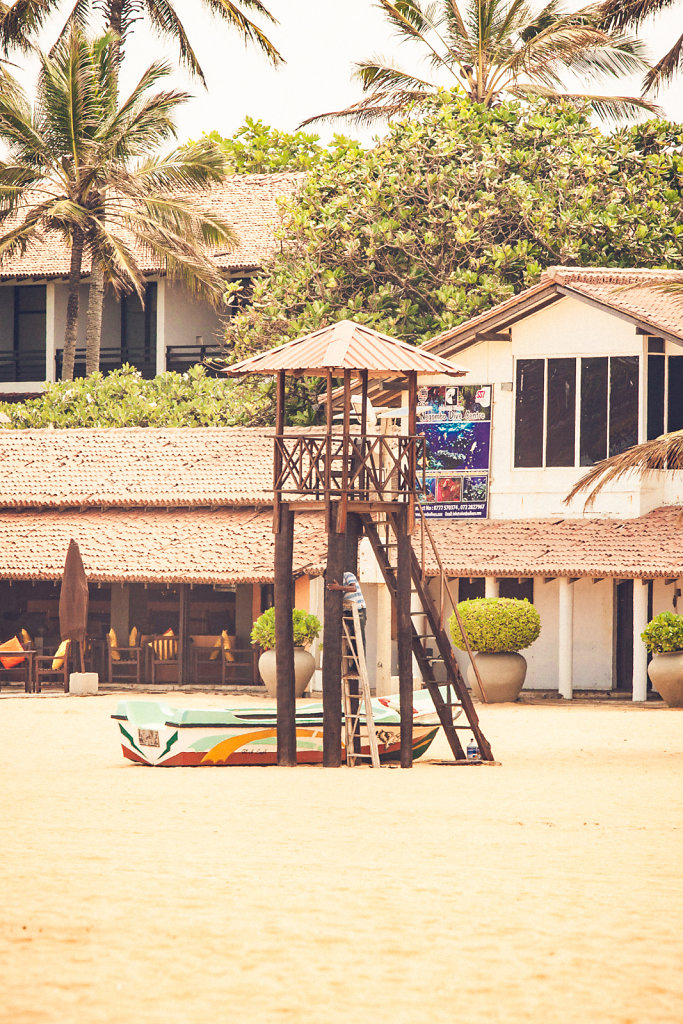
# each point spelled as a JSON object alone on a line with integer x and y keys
{"x": 306, "y": 628}
{"x": 497, "y": 629}
{"x": 663, "y": 637}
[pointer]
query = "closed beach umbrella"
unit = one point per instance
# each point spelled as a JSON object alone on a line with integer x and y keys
{"x": 73, "y": 599}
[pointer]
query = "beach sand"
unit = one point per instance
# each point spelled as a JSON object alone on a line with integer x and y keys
{"x": 547, "y": 889}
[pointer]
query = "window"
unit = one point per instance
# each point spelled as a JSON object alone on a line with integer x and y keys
{"x": 519, "y": 589}
{"x": 664, "y": 393}
{"x": 469, "y": 589}
{"x": 29, "y": 331}
{"x": 546, "y": 413}
{"x": 559, "y": 444}
{"x": 529, "y": 412}
{"x": 139, "y": 329}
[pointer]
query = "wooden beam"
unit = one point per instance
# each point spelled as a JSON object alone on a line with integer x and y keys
{"x": 184, "y": 634}
{"x": 492, "y": 336}
{"x": 284, "y": 640}
{"x": 404, "y": 630}
{"x": 332, "y": 647}
{"x": 277, "y": 454}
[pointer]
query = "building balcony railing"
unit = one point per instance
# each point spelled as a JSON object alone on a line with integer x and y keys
{"x": 111, "y": 359}
{"x": 180, "y": 358}
{"x": 380, "y": 467}
{"x": 23, "y": 366}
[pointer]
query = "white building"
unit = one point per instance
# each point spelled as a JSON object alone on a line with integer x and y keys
{"x": 171, "y": 331}
{"x": 583, "y": 365}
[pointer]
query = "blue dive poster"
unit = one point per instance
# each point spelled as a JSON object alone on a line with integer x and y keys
{"x": 456, "y": 424}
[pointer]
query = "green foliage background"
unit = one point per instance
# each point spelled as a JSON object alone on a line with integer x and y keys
{"x": 256, "y": 148}
{"x": 459, "y": 208}
{"x": 124, "y": 398}
{"x": 496, "y": 625}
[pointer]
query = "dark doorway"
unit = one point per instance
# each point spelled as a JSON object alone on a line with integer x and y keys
{"x": 624, "y": 646}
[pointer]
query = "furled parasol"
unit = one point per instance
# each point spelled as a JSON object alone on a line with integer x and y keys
{"x": 73, "y": 600}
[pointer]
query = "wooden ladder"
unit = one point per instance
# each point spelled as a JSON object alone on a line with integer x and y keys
{"x": 356, "y": 698}
{"x": 453, "y": 694}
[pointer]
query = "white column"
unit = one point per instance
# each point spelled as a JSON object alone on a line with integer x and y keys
{"x": 383, "y": 684}
{"x": 50, "y": 331}
{"x": 490, "y": 586}
{"x": 566, "y": 639}
{"x": 161, "y": 325}
{"x": 640, "y": 591}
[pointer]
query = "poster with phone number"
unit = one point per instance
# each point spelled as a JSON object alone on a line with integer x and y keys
{"x": 456, "y": 424}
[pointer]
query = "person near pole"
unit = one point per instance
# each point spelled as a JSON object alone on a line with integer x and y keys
{"x": 350, "y": 587}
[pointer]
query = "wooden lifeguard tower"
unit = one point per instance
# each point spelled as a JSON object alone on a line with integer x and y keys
{"x": 366, "y": 484}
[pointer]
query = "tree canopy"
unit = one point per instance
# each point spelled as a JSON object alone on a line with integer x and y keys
{"x": 256, "y": 148}
{"x": 460, "y": 208}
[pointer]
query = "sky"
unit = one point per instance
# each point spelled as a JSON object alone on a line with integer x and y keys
{"x": 320, "y": 40}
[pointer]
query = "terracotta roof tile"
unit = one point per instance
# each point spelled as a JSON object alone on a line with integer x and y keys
{"x": 647, "y": 547}
{"x": 136, "y": 466}
{"x": 248, "y": 202}
{"x": 155, "y": 545}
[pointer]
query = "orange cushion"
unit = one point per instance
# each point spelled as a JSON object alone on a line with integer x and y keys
{"x": 164, "y": 650}
{"x": 114, "y": 645}
{"x": 13, "y": 644}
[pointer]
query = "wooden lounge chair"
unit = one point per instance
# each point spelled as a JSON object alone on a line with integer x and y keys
{"x": 16, "y": 662}
{"x": 163, "y": 658}
{"x": 52, "y": 668}
{"x": 124, "y": 664}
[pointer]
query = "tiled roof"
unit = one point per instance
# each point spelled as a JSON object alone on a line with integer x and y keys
{"x": 346, "y": 345}
{"x": 249, "y": 202}
{"x": 155, "y": 545}
{"x": 633, "y": 293}
{"x": 135, "y": 466}
{"x": 648, "y": 547}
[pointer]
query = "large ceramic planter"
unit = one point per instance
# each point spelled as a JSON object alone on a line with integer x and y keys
{"x": 666, "y": 675}
{"x": 502, "y": 676}
{"x": 304, "y": 666}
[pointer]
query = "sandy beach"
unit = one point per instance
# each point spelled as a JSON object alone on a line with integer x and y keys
{"x": 547, "y": 889}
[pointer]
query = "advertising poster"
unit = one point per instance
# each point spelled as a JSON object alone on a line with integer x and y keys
{"x": 456, "y": 424}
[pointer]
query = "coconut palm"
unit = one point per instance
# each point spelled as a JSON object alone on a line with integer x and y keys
{"x": 663, "y": 453}
{"x": 79, "y": 164}
{"x": 491, "y": 47}
{"x": 620, "y": 14}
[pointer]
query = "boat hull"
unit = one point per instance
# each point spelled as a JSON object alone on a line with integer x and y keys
{"x": 157, "y": 735}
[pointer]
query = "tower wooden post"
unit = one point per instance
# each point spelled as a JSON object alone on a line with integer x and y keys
{"x": 332, "y": 646}
{"x": 284, "y": 639}
{"x": 405, "y": 642}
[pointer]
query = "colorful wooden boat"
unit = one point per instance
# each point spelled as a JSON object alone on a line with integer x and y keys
{"x": 154, "y": 733}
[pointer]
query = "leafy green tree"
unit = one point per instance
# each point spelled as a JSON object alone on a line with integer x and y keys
{"x": 124, "y": 398}
{"x": 82, "y": 165}
{"x": 459, "y": 209}
{"x": 256, "y": 148}
{"x": 493, "y": 48}
{"x": 621, "y": 14}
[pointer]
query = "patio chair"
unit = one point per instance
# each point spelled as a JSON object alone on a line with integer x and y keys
{"x": 16, "y": 662}
{"x": 163, "y": 658}
{"x": 124, "y": 664}
{"x": 52, "y": 668}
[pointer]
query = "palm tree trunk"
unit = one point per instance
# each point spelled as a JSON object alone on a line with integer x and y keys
{"x": 71, "y": 327}
{"x": 93, "y": 337}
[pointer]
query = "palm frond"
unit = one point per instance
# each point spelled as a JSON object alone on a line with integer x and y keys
{"x": 20, "y": 22}
{"x": 378, "y": 106}
{"x": 664, "y": 453}
{"x": 231, "y": 13}
{"x": 619, "y": 14}
{"x": 378, "y": 74}
{"x": 610, "y": 108}
{"x": 666, "y": 68}
{"x": 167, "y": 23}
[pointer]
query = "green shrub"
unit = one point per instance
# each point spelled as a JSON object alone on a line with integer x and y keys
{"x": 306, "y": 628}
{"x": 664, "y": 633}
{"x": 495, "y": 625}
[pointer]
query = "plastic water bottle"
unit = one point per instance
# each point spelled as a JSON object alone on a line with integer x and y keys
{"x": 472, "y": 750}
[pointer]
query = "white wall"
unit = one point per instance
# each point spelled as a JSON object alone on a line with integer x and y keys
{"x": 186, "y": 317}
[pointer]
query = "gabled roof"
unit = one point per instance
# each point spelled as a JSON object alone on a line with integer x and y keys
{"x": 648, "y": 547}
{"x": 249, "y": 202}
{"x": 632, "y": 294}
{"x": 136, "y": 467}
{"x": 346, "y": 345}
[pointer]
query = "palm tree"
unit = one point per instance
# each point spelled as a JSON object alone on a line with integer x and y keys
{"x": 663, "y": 453}
{"x": 491, "y": 47}
{"x": 80, "y": 164}
{"x": 620, "y": 14}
